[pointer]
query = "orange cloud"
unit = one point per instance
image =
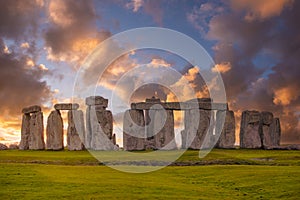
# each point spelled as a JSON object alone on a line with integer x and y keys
{"x": 157, "y": 62}
{"x": 284, "y": 96}
{"x": 58, "y": 13}
{"x": 261, "y": 9}
{"x": 222, "y": 67}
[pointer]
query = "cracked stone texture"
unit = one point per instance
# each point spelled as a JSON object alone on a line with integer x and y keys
{"x": 55, "y": 131}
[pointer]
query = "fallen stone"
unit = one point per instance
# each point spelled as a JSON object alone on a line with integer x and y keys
{"x": 25, "y": 132}
{"x": 3, "y": 147}
{"x": 55, "y": 131}
{"x": 36, "y": 137}
{"x": 75, "y": 132}
{"x": 134, "y": 130}
{"x": 96, "y": 100}
{"x": 227, "y": 136}
{"x": 250, "y": 136}
{"x": 66, "y": 106}
{"x": 31, "y": 109}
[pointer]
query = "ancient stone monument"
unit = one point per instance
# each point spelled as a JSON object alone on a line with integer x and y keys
{"x": 99, "y": 125}
{"x": 32, "y": 130}
{"x": 134, "y": 133}
{"x": 227, "y": 136}
{"x": 259, "y": 130}
{"x": 54, "y": 131}
{"x": 158, "y": 132}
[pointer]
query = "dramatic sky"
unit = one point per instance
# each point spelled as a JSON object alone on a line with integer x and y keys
{"x": 254, "y": 43}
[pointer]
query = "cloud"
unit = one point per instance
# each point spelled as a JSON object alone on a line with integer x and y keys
{"x": 135, "y": 5}
{"x": 284, "y": 96}
{"x": 158, "y": 62}
{"x": 72, "y": 32}
{"x": 20, "y": 86}
{"x": 261, "y": 10}
{"x": 19, "y": 19}
{"x": 200, "y": 16}
{"x": 242, "y": 42}
{"x": 152, "y": 8}
{"x": 222, "y": 68}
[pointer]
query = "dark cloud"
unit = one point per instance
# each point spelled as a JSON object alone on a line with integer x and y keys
{"x": 72, "y": 33}
{"x": 19, "y": 18}
{"x": 20, "y": 85}
{"x": 240, "y": 41}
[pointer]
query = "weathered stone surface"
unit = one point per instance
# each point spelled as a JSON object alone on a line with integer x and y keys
{"x": 75, "y": 132}
{"x": 31, "y": 109}
{"x": 88, "y": 133}
{"x": 98, "y": 107}
{"x": 66, "y": 106}
{"x": 266, "y": 130}
{"x": 180, "y": 106}
{"x": 275, "y": 131}
{"x": 250, "y": 130}
{"x": 3, "y": 147}
{"x": 267, "y": 118}
{"x": 227, "y": 136}
{"x": 198, "y": 134}
{"x": 191, "y": 124}
{"x": 96, "y": 100}
{"x": 25, "y": 132}
{"x": 259, "y": 130}
{"x": 134, "y": 130}
{"x": 55, "y": 131}
{"x": 36, "y": 137}
{"x": 163, "y": 130}
{"x": 101, "y": 128}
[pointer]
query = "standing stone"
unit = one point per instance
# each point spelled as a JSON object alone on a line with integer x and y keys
{"x": 101, "y": 128}
{"x": 165, "y": 137}
{"x": 88, "y": 134}
{"x": 227, "y": 136}
{"x": 55, "y": 131}
{"x": 25, "y": 132}
{"x": 199, "y": 133}
{"x": 250, "y": 130}
{"x": 266, "y": 129}
{"x": 191, "y": 124}
{"x": 149, "y": 142}
{"x": 36, "y": 137}
{"x": 134, "y": 130}
{"x": 75, "y": 132}
{"x": 275, "y": 132}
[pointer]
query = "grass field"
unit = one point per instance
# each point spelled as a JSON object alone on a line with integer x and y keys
{"x": 222, "y": 174}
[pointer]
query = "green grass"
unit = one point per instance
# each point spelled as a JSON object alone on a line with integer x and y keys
{"x": 222, "y": 174}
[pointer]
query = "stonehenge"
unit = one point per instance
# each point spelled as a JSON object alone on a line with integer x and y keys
{"x": 32, "y": 130}
{"x": 150, "y": 125}
{"x": 99, "y": 125}
{"x": 147, "y": 125}
{"x": 259, "y": 130}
